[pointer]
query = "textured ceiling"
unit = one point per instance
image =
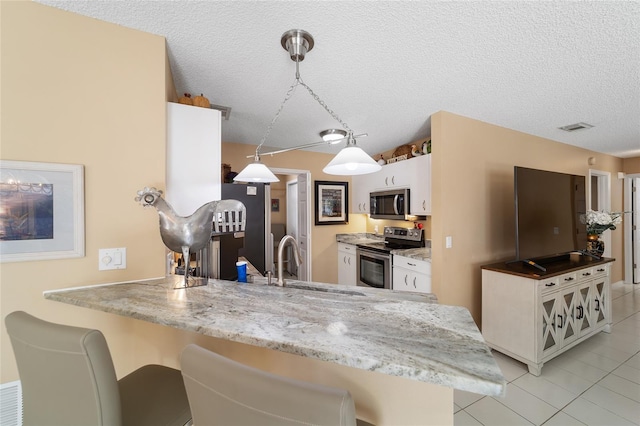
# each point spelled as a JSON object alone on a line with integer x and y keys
{"x": 385, "y": 67}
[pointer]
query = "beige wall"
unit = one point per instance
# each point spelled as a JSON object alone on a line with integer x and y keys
{"x": 81, "y": 91}
{"x": 472, "y": 200}
{"x": 323, "y": 240}
{"x": 631, "y": 165}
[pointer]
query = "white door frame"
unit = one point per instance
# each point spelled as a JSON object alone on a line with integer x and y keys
{"x": 628, "y": 230}
{"x": 281, "y": 171}
{"x": 603, "y": 202}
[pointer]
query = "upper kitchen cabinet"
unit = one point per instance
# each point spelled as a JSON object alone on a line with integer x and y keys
{"x": 414, "y": 173}
{"x": 193, "y": 157}
{"x": 394, "y": 175}
{"x": 360, "y": 188}
{"x": 420, "y": 196}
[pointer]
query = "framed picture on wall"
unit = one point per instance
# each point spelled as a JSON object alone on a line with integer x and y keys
{"x": 331, "y": 203}
{"x": 275, "y": 204}
{"x": 41, "y": 211}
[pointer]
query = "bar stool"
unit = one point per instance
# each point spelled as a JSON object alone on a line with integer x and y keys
{"x": 68, "y": 378}
{"x": 225, "y": 392}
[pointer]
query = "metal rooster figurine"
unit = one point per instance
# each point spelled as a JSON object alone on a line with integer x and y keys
{"x": 192, "y": 233}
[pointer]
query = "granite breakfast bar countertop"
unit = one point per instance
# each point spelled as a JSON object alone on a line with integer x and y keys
{"x": 413, "y": 336}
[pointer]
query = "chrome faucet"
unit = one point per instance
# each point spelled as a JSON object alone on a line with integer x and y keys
{"x": 296, "y": 255}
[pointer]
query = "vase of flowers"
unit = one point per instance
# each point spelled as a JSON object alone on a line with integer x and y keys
{"x": 597, "y": 222}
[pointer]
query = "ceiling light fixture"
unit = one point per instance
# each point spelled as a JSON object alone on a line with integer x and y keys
{"x": 351, "y": 160}
{"x": 332, "y": 135}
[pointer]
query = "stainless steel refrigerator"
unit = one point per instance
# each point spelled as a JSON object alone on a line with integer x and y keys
{"x": 257, "y": 244}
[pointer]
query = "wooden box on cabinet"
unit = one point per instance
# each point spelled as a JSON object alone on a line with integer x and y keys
{"x": 534, "y": 318}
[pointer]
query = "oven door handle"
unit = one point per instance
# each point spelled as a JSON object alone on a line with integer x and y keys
{"x": 395, "y": 204}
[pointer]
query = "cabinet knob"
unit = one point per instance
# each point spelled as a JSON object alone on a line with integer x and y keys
{"x": 550, "y": 284}
{"x": 393, "y": 180}
{"x": 569, "y": 279}
{"x": 414, "y": 282}
{"x": 424, "y": 204}
{"x": 586, "y": 274}
{"x": 386, "y": 181}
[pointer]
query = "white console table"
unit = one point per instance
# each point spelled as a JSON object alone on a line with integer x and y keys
{"x": 534, "y": 316}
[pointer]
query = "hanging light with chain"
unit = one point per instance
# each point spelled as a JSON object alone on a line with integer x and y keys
{"x": 351, "y": 160}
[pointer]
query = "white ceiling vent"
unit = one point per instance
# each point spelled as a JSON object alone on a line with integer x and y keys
{"x": 574, "y": 127}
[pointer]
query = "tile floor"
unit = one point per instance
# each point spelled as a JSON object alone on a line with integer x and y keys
{"x": 595, "y": 383}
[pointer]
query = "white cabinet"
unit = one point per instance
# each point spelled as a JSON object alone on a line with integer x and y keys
{"x": 394, "y": 175}
{"x": 420, "y": 196}
{"x": 411, "y": 275}
{"x": 533, "y": 319}
{"x": 360, "y": 189}
{"x": 347, "y": 272}
{"x": 414, "y": 173}
{"x": 193, "y": 157}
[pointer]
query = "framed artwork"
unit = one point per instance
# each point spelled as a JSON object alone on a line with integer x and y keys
{"x": 331, "y": 203}
{"x": 41, "y": 211}
{"x": 275, "y": 204}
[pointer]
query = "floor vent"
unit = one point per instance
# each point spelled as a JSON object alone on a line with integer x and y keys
{"x": 11, "y": 404}
{"x": 574, "y": 127}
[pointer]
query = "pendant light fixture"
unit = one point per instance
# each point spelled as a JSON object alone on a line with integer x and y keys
{"x": 351, "y": 160}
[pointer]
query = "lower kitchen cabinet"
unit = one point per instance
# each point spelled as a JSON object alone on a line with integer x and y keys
{"x": 411, "y": 275}
{"x": 347, "y": 272}
{"x": 536, "y": 318}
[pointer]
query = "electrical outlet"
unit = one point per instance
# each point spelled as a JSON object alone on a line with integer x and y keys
{"x": 113, "y": 258}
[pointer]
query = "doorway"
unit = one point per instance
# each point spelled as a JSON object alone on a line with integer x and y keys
{"x": 295, "y": 201}
{"x": 599, "y": 198}
{"x": 632, "y": 228}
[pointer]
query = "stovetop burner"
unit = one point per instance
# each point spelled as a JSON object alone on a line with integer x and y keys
{"x": 395, "y": 239}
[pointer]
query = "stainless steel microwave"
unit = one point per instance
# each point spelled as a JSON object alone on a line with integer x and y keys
{"x": 392, "y": 204}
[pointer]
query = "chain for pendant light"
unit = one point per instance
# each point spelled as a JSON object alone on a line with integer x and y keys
{"x": 288, "y": 95}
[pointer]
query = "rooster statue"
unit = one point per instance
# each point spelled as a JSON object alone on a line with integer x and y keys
{"x": 192, "y": 233}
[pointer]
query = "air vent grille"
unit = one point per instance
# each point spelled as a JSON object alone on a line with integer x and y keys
{"x": 226, "y": 111}
{"x": 11, "y": 404}
{"x": 576, "y": 126}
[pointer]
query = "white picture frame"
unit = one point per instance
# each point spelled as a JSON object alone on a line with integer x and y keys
{"x": 41, "y": 211}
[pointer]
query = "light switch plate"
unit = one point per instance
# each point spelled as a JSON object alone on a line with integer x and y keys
{"x": 113, "y": 258}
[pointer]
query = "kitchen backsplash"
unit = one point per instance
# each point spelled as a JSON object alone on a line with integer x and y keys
{"x": 381, "y": 223}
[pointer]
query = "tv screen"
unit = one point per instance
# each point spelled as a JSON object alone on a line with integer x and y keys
{"x": 548, "y": 209}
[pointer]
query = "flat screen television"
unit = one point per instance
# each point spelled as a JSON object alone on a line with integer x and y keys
{"x": 548, "y": 208}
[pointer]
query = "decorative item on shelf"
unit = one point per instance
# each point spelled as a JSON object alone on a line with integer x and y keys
{"x": 597, "y": 222}
{"x": 397, "y": 158}
{"x": 189, "y": 234}
{"x": 415, "y": 151}
{"x": 186, "y": 99}
{"x": 201, "y": 101}
{"x": 595, "y": 245}
{"x": 426, "y": 146}
{"x": 402, "y": 150}
{"x": 351, "y": 160}
{"x": 381, "y": 160}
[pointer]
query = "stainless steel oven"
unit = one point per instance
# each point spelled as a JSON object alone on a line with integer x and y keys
{"x": 373, "y": 260}
{"x": 374, "y": 268}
